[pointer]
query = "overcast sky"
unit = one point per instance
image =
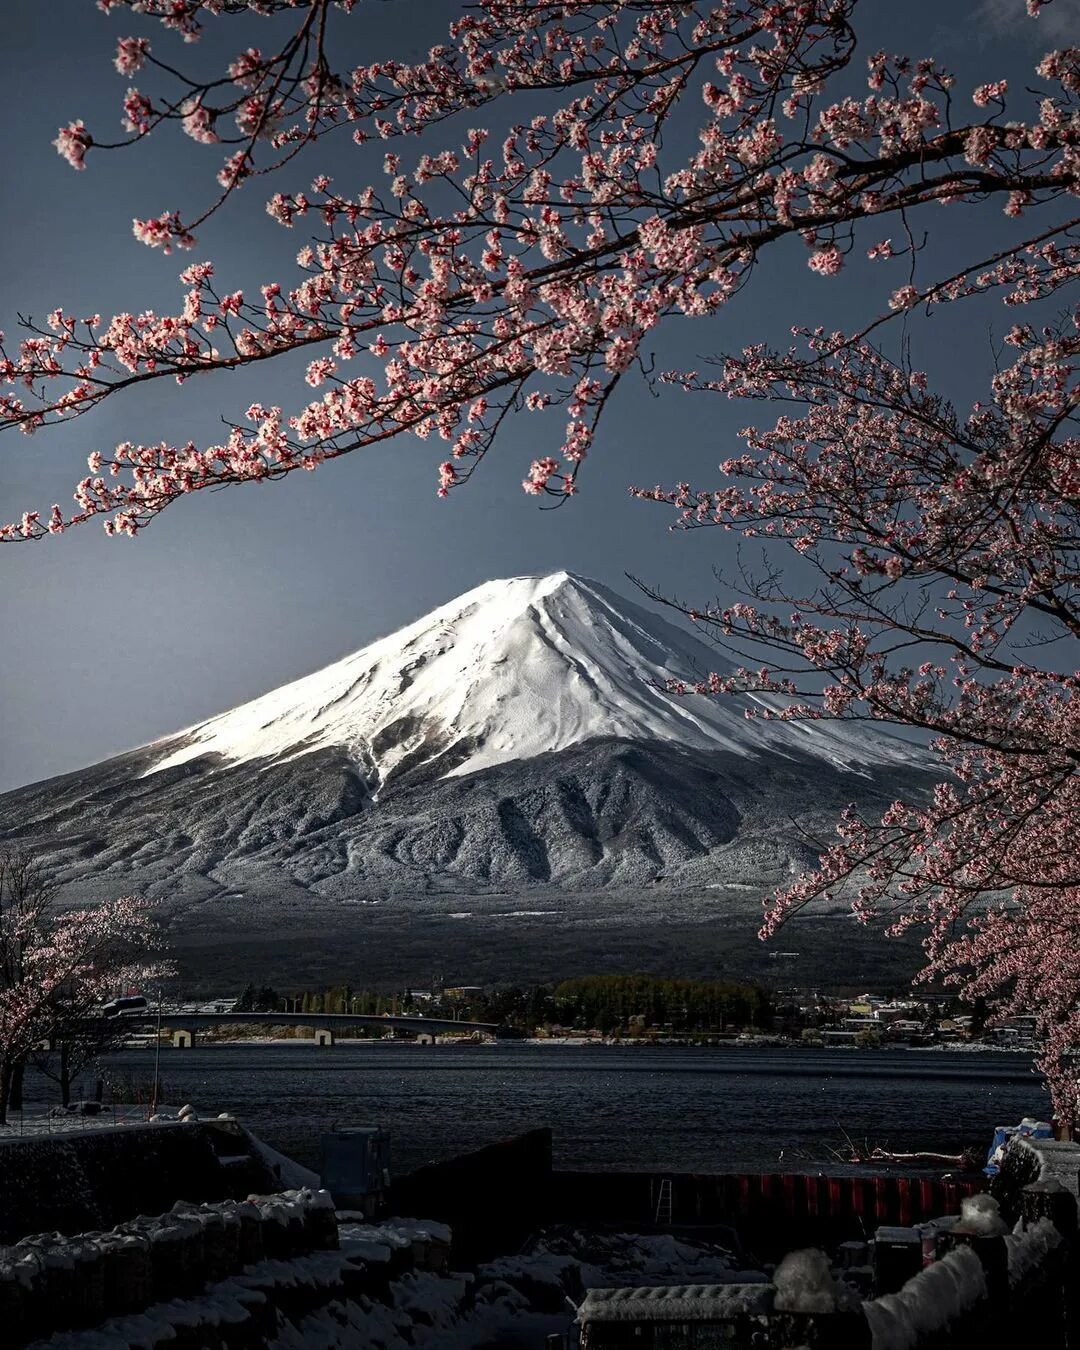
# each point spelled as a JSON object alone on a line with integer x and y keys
{"x": 106, "y": 644}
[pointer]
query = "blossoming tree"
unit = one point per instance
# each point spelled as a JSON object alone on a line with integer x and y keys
{"x": 56, "y": 965}
{"x": 490, "y": 277}
{"x": 943, "y": 551}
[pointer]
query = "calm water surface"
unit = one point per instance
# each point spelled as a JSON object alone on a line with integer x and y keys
{"x": 707, "y": 1109}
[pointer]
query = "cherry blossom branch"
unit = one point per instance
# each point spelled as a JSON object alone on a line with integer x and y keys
{"x": 552, "y": 265}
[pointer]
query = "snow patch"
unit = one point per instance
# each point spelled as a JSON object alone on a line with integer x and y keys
{"x": 805, "y": 1284}
{"x": 927, "y": 1304}
{"x": 674, "y": 1303}
{"x": 981, "y": 1214}
{"x": 1029, "y": 1249}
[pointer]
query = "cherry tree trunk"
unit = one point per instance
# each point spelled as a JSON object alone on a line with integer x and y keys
{"x": 5, "y": 1089}
{"x": 15, "y": 1092}
{"x": 65, "y": 1074}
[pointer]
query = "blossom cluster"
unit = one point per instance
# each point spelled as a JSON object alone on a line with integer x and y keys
{"x": 568, "y": 241}
{"x": 57, "y": 965}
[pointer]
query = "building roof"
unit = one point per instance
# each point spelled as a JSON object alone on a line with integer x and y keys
{"x": 677, "y": 1303}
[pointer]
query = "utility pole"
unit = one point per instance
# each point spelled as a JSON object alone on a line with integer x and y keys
{"x": 157, "y": 1060}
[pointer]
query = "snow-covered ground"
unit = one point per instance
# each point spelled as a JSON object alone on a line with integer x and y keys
{"x": 518, "y": 1300}
{"x": 604, "y": 1260}
{"x": 37, "y": 1119}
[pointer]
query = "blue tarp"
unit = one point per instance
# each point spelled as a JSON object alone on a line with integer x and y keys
{"x": 1027, "y": 1129}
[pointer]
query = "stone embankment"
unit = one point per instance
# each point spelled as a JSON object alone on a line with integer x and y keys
{"x": 270, "y": 1271}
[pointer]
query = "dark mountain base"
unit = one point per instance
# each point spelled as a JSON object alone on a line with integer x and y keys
{"x": 550, "y": 937}
{"x": 609, "y": 814}
{"x": 614, "y": 855}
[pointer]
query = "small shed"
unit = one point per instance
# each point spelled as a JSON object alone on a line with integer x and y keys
{"x": 675, "y": 1317}
{"x": 356, "y": 1167}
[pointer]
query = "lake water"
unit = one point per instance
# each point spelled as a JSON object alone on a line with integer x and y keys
{"x": 664, "y": 1107}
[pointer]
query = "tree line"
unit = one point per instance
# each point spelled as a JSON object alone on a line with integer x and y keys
{"x": 605, "y": 1003}
{"x": 610, "y": 1001}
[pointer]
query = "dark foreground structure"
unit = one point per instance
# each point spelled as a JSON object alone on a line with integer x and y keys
{"x": 1005, "y": 1274}
{"x": 494, "y": 1198}
{"x": 221, "y": 1268}
{"x": 94, "y": 1178}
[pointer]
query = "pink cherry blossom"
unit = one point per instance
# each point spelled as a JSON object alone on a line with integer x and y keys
{"x": 563, "y": 255}
{"x": 826, "y": 261}
{"x": 198, "y": 122}
{"x": 57, "y": 965}
{"x": 878, "y": 481}
{"x": 987, "y": 93}
{"x": 72, "y": 142}
{"x": 131, "y": 53}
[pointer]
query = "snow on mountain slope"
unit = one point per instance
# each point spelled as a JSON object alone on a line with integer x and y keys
{"x": 511, "y": 670}
{"x": 502, "y": 786}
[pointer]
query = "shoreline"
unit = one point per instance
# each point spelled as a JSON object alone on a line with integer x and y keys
{"x": 578, "y": 1042}
{"x": 736, "y": 1111}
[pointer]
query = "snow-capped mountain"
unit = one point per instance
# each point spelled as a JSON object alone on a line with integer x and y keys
{"x": 520, "y": 738}
{"x": 512, "y": 669}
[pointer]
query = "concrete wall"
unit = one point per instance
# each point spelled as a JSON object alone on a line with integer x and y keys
{"x": 492, "y": 1198}
{"x": 96, "y": 1178}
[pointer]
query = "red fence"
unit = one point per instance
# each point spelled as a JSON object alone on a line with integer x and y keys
{"x": 892, "y": 1199}
{"x": 495, "y": 1197}
{"x": 771, "y": 1211}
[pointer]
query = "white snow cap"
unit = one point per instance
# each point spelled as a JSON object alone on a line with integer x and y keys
{"x": 508, "y": 671}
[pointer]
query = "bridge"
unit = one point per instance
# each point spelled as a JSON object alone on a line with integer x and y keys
{"x": 184, "y": 1025}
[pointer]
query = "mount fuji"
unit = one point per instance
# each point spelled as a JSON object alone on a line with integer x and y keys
{"x": 519, "y": 741}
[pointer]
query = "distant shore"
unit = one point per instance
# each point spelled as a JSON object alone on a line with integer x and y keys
{"x": 737, "y": 1043}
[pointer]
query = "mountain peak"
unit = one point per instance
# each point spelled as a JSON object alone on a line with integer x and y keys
{"x": 520, "y": 734}
{"x": 512, "y": 669}
{"x": 525, "y": 589}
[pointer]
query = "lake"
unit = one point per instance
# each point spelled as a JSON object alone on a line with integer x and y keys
{"x": 663, "y": 1107}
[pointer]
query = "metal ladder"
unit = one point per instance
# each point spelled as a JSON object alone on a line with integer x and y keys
{"x": 663, "y": 1204}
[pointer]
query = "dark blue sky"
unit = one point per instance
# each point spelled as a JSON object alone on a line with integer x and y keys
{"x": 109, "y": 643}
